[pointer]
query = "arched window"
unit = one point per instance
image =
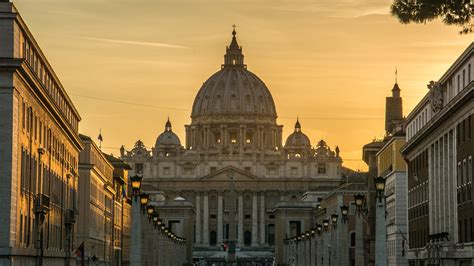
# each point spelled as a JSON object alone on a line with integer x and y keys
{"x": 247, "y": 238}
{"x": 212, "y": 238}
{"x": 353, "y": 239}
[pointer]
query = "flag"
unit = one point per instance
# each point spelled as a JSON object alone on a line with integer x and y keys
{"x": 80, "y": 251}
{"x": 100, "y": 137}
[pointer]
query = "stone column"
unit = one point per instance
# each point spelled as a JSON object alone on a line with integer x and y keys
{"x": 219, "y": 219}
{"x": 242, "y": 139}
{"x": 359, "y": 245}
{"x": 198, "y": 219}
{"x": 205, "y": 220}
{"x": 188, "y": 137}
{"x": 136, "y": 237}
{"x": 240, "y": 220}
{"x": 254, "y": 219}
{"x": 380, "y": 234}
{"x": 222, "y": 137}
{"x": 308, "y": 251}
{"x": 226, "y": 136}
{"x": 262, "y": 218}
{"x": 193, "y": 142}
{"x": 345, "y": 244}
{"x": 210, "y": 137}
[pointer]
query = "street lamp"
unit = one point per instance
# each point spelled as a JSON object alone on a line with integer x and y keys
{"x": 155, "y": 220}
{"x": 150, "y": 210}
{"x": 135, "y": 245}
{"x": 136, "y": 182}
{"x": 380, "y": 224}
{"x": 359, "y": 201}
{"x": 359, "y": 247}
{"x": 379, "y": 187}
{"x": 326, "y": 224}
{"x": 144, "y": 198}
{"x": 344, "y": 212}
{"x": 334, "y": 217}
{"x": 319, "y": 228}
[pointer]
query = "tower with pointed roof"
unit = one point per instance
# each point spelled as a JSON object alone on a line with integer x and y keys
{"x": 394, "y": 111}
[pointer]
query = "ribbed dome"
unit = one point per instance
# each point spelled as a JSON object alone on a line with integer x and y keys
{"x": 234, "y": 90}
{"x": 297, "y": 138}
{"x": 168, "y": 137}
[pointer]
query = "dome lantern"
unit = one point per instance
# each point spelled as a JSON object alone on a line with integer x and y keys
{"x": 234, "y": 57}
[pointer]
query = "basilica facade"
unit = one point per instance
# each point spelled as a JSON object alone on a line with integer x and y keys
{"x": 234, "y": 167}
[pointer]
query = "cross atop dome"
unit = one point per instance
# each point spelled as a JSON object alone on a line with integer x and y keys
{"x": 234, "y": 57}
{"x": 168, "y": 125}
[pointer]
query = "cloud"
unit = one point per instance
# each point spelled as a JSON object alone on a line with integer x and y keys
{"x": 139, "y": 43}
{"x": 337, "y": 9}
{"x": 439, "y": 44}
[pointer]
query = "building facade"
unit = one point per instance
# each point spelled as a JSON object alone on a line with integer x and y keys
{"x": 392, "y": 167}
{"x": 39, "y": 152}
{"x": 234, "y": 157}
{"x": 121, "y": 211}
{"x": 96, "y": 206}
{"x": 439, "y": 153}
{"x": 104, "y": 207}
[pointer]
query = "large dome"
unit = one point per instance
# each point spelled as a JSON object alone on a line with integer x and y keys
{"x": 234, "y": 90}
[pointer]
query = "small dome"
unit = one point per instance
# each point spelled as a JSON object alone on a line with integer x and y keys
{"x": 297, "y": 138}
{"x": 168, "y": 137}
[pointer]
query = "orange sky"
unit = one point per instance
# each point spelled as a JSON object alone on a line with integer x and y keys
{"x": 329, "y": 62}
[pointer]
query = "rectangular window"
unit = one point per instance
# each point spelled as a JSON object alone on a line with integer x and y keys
{"x": 463, "y": 130}
{"x": 469, "y": 169}
{"x": 469, "y": 127}
{"x": 139, "y": 168}
{"x": 294, "y": 170}
{"x": 295, "y": 228}
{"x": 41, "y": 132}
{"x": 321, "y": 168}
{"x": 213, "y": 169}
{"x": 459, "y": 82}
{"x": 463, "y": 78}
{"x": 21, "y": 228}
{"x": 468, "y": 73}
{"x": 188, "y": 170}
{"x": 166, "y": 170}
{"x": 272, "y": 170}
{"x": 247, "y": 169}
{"x": 23, "y": 115}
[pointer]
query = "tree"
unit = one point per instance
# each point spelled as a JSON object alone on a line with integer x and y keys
{"x": 452, "y": 12}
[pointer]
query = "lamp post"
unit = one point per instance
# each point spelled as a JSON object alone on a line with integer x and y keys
{"x": 327, "y": 243}
{"x": 380, "y": 224}
{"x": 359, "y": 233}
{"x": 311, "y": 246}
{"x": 335, "y": 238}
{"x": 319, "y": 230}
{"x": 135, "y": 245}
{"x": 344, "y": 250}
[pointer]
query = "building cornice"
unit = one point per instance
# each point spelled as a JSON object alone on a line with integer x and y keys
{"x": 457, "y": 103}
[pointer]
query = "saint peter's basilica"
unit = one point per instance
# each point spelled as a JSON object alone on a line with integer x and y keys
{"x": 234, "y": 172}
